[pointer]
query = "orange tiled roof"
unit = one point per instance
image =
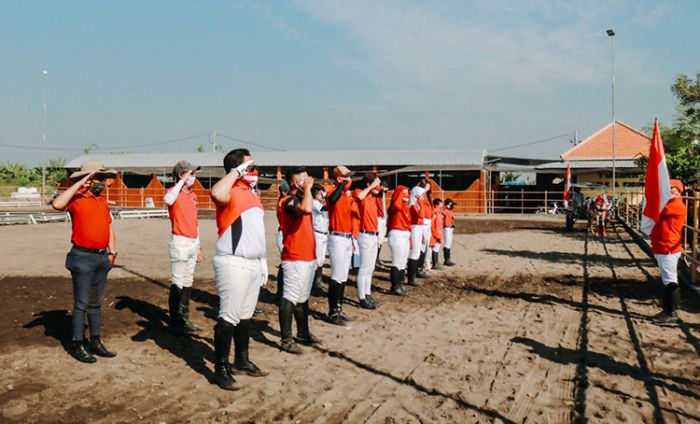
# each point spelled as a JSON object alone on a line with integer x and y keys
{"x": 629, "y": 144}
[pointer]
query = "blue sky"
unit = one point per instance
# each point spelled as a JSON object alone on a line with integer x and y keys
{"x": 346, "y": 74}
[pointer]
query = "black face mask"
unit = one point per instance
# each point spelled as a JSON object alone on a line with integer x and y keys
{"x": 97, "y": 187}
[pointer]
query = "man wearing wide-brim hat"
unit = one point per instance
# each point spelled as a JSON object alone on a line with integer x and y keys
{"x": 92, "y": 255}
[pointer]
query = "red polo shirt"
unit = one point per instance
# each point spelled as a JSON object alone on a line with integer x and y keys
{"x": 368, "y": 209}
{"x": 340, "y": 214}
{"x": 91, "y": 220}
{"x": 299, "y": 242}
{"x": 399, "y": 218}
{"x": 667, "y": 233}
{"x": 183, "y": 214}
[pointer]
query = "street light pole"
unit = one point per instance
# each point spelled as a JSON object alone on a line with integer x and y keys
{"x": 45, "y": 74}
{"x": 611, "y": 34}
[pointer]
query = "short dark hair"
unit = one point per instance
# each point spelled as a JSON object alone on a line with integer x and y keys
{"x": 234, "y": 158}
{"x": 316, "y": 188}
{"x": 449, "y": 201}
{"x": 292, "y": 172}
{"x": 437, "y": 201}
{"x": 370, "y": 176}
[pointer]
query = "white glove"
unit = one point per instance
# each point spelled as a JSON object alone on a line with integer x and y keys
{"x": 243, "y": 167}
{"x": 263, "y": 266}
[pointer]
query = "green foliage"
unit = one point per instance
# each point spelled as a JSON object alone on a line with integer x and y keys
{"x": 18, "y": 174}
{"x": 509, "y": 177}
{"x": 682, "y": 140}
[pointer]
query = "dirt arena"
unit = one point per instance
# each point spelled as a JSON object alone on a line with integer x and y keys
{"x": 534, "y": 325}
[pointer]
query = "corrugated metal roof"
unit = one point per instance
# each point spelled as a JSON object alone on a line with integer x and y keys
{"x": 463, "y": 157}
{"x": 590, "y": 164}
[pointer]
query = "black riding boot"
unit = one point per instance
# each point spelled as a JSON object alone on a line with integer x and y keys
{"x": 79, "y": 352}
{"x": 436, "y": 264}
{"x": 241, "y": 338}
{"x": 174, "y": 305}
{"x": 99, "y": 349}
{"x": 447, "y": 253}
{"x": 412, "y": 271}
{"x": 316, "y": 288}
{"x": 395, "y": 276}
{"x": 301, "y": 315}
{"x": 223, "y": 332}
{"x": 341, "y": 300}
{"x": 280, "y": 283}
{"x": 286, "y": 313}
{"x": 184, "y": 311}
{"x": 671, "y": 301}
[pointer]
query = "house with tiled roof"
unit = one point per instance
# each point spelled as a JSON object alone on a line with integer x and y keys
{"x": 591, "y": 160}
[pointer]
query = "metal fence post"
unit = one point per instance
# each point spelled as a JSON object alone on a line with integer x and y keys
{"x": 694, "y": 255}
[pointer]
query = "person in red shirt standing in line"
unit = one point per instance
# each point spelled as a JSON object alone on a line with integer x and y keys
{"x": 399, "y": 225}
{"x": 667, "y": 249}
{"x": 92, "y": 256}
{"x": 381, "y": 204}
{"x": 279, "y": 210}
{"x": 184, "y": 246}
{"x": 240, "y": 265}
{"x": 416, "y": 212}
{"x": 449, "y": 221}
{"x": 367, "y": 239}
{"x": 339, "y": 204}
{"x": 298, "y": 260}
{"x": 437, "y": 230}
{"x": 425, "y": 262}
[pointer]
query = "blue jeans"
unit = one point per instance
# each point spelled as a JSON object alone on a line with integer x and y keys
{"x": 89, "y": 273}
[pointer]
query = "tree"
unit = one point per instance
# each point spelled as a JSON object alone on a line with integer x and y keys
{"x": 509, "y": 177}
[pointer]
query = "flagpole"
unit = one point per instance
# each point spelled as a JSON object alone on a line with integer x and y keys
{"x": 611, "y": 34}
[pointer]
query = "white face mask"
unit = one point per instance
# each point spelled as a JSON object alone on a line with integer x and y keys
{"x": 190, "y": 180}
{"x": 251, "y": 180}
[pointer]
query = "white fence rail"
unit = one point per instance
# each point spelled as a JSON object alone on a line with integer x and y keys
{"x": 143, "y": 213}
{"x": 32, "y": 218}
{"x": 20, "y": 203}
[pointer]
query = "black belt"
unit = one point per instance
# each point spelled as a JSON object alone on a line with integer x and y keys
{"x": 450, "y": 226}
{"x": 85, "y": 249}
{"x": 346, "y": 235}
{"x": 325, "y": 233}
{"x": 371, "y": 233}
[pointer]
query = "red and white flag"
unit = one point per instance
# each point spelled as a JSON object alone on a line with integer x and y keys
{"x": 567, "y": 184}
{"x": 657, "y": 188}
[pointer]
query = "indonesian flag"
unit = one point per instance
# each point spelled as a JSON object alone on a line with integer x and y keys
{"x": 657, "y": 188}
{"x": 567, "y": 184}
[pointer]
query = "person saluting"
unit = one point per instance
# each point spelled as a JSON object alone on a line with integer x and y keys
{"x": 92, "y": 255}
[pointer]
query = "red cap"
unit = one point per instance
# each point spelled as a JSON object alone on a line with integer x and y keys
{"x": 678, "y": 184}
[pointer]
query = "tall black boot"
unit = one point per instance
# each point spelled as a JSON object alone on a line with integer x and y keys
{"x": 223, "y": 332}
{"x": 286, "y": 312}
{"x": 301, "y": 315}
{"x": 241, "y": 338}
{"x": 184, "y": 311}
{"x": 341, "y": 300}
{"x": 280, "y": 283}
{"x": 395, "y": 276}
{"x": 333, "y": 305}
{"x": 447, "y": 253}
{"x": 420, "y": 266}
{"x": 316, "y": 288}
{"x": 174, "y": 305}
{"x": 412, "y": 271}
{"x": 671, "y": 299}
{"x": 436, "y": 264}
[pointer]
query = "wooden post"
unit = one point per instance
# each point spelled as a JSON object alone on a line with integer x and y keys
{"x": 627, "y": 209}
{"x": 696, "y": 226}
{"x": 545, "y": 201}
{"x": 522, "y": 201}
{"x": 143, "y": 201}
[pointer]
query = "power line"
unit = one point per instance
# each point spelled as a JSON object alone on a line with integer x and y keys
{"x": 133, "y": 146}
{"x": 532, "y": 142}
{"x": 250, "y": 143}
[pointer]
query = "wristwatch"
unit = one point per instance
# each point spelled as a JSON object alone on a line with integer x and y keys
{"x": 112, "y": 254}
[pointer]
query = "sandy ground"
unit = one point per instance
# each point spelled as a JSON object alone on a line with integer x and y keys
{"x": 533, "y": 325}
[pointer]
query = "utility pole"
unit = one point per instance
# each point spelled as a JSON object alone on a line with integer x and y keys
{"x": 611, "y": 34}
{"x": 45, "y": 74}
